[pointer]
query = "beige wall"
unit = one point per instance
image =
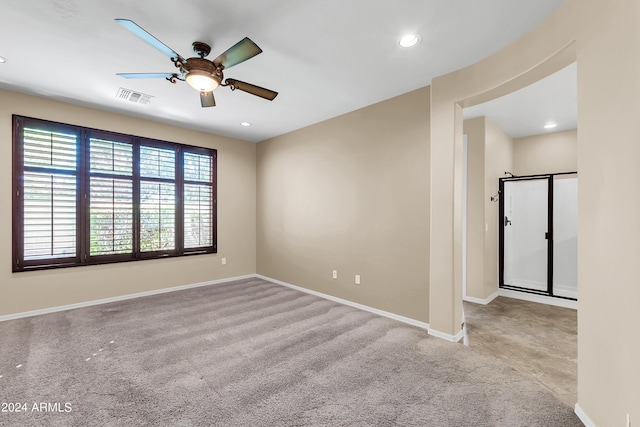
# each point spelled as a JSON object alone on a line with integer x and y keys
{"x": 609, "y": 208}
{"x": 546, "y": 153}
{"x": 351, "y": 194}
{"x": 475, "y": 131}
{"x": 489, "y": 155}
{"x": 498, "y": 159}
{"x": 608, "y": 85}
{"x": 26, "y": 291}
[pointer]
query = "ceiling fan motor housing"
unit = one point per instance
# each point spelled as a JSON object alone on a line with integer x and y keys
{"x": 202, "y": 66}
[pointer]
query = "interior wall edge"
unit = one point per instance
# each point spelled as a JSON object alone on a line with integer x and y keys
{"x": 554, "y": 62}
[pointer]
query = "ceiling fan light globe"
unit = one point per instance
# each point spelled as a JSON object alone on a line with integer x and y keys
{"x": 202, "y": 81}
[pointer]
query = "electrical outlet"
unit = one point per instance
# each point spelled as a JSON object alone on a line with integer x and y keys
{"x": 357, "y": 279}
{"x": 335, "y": 274}
{"x": 224, "y": 261}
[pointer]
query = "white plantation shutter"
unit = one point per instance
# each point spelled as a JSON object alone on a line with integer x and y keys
{"x": 49, "y": 194}
{"x": 197, "y": 216}
{"x": 157, "y": 199}
{"x": 198, "y": 200}
{"x": 114, "y": 158}
{"x": 47, "y": 149}
{"x": 197, "y": 167}
{"x": 157, "y": 216}
{"x": 49, "y": 216}
{"x": 110, "y": 197}
{"x": 111, "y": 216}
{"x": 157, "y": 163}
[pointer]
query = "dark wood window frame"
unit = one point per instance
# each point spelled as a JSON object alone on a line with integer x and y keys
{"x": 205, "y": 207}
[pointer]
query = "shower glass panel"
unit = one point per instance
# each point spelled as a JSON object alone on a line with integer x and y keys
{"x": 525, "y": 223}
{"x": 565, "y": 236}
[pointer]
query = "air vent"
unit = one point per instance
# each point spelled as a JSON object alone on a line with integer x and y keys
{"x": 133, "y": 96}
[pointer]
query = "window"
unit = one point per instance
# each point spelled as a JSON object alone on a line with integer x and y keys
{"x": 84, "y": 196}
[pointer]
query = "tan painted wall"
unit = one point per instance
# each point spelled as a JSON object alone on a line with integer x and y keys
{"x": 498, "y": 159}
{"x": 351, "y": 194}
{"x": 475, "y": 131}
{"x": 546, "y": 153}
{"x": 490, "y": 154}
{"x": 21, "y": 292}
{"x": 593, "y": 32}
{"x": 609, "y": 208}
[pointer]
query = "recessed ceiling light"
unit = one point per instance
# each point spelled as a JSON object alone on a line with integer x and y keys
{"x": 410, "y": 40}
{"x": 2, "y": 60}
{"x": 245, "y": 124}
{"x": 550, "y": 125}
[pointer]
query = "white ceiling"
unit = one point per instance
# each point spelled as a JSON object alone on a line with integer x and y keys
{"x": 324, "y": 57}
{"x": 526, "y": 111}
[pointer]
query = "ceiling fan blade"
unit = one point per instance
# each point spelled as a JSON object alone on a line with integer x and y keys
{"x": 145, "y": 75}
{"x": 252, "y": 89}
{"x": 207, "y": 99}
{"x": 147, "y": 37}
{"x": 238, "y": 53}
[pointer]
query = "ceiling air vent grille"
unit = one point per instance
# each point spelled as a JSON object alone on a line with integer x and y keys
{"x": 133, "y": 96}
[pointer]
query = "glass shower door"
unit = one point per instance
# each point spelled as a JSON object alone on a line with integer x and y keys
{"x": 525, "y": 221}
{"x": 565, "y": 236}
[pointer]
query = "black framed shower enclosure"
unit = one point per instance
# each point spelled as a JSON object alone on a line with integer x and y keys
{"x": 538, "y": 234}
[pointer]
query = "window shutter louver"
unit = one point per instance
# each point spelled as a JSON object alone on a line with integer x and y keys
{"x": 49, "y": 149}
{"x": 110, "y": 197}
{"x": 49, "y": 194}
{"x": 198, "y": 200}
{"x": 157, "y": 163}
{"x": 49, "y": 216}
{"x": 111, "y": 216}
{"x": 157, "y": 199}
{"x": 197, "y": 216}
{"x": 197, "y": 167}
{"x": 157, "y": 216}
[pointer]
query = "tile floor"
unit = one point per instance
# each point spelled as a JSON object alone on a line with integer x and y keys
{"x": 538, "y": 339}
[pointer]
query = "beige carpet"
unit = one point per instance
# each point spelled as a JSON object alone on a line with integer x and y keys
{"x": 253, "y": 353}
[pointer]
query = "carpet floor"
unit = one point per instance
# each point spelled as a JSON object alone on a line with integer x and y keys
{"x": 253, "y": 353}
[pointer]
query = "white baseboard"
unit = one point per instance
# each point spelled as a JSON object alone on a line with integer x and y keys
{"x": 485, "y": 301}
{"x": 583, "y": 417}
{"x": 448, "y": 337}
{"x": 542, "y": 299}
{"x": 119, "y": 298}
{"x": 379, "y": 312}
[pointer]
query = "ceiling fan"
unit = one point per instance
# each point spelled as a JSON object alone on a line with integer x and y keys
{"x": 201, "y": 74}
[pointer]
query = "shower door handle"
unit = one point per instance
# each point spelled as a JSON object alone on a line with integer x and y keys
{"x": 547, "y": 236}
{"x": 507, "y": 221}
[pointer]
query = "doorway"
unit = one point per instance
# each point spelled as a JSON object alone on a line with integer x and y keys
{"x": 538, "y": 234}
